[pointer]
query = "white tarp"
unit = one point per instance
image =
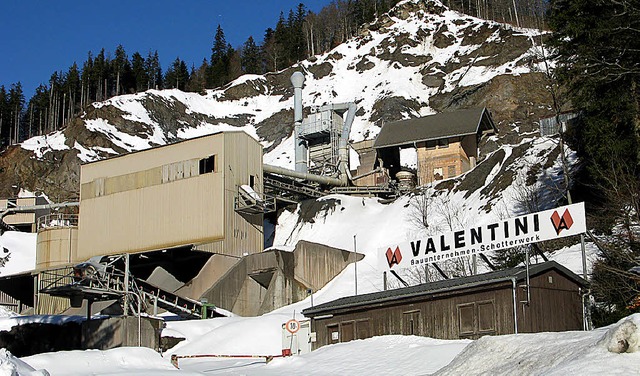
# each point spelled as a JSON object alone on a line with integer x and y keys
{"x": 530, "y": 228}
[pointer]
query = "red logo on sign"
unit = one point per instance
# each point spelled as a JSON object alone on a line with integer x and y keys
{"x": 561, "y": 223}
{"x": 394, "y": 257}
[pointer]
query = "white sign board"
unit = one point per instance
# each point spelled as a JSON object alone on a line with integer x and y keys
{"x": 530, "y": 228}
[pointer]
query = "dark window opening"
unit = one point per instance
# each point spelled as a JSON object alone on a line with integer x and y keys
{"x": 444, "y": 143}
{"x": 208, "y": 164}
{"x": 252, "y": 181}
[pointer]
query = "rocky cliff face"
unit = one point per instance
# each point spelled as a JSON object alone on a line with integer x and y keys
{"x": 418, "y": 59}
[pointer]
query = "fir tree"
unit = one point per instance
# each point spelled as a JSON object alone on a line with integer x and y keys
{"x": 251, "y": 57}
{"x": 16, "y": 106}
{"x": 140, "y": 75}
{"x": 177, "y": 75}
{"x": 219, "y": 69}
{"x": 119, "y": 65}
{"x": 198, "y": 78}
{"x": 4, "y": 117}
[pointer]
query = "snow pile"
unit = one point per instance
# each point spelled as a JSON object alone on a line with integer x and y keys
{"x": 624, "y": 336}
{"x": 229, "y": 336}
{"x": 12, "y": 366}
{"x": 567, "y": 353}
{"x": 399, "y": 355}
{"x": 4, "y": 312}
{"x": 121, "y": 361}
{"x": 8, "y": 322}
{"x": 386, "y": 355}
{"x": 17, "y": 252}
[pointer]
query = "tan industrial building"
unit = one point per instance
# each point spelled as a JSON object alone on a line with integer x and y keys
{"x": 166, "y": 197}
{"x": 446, "y": 143}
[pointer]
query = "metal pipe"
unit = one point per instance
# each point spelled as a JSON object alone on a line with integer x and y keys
{"x": 378, "y": 169}
{"x": 20, "y": 209}
{"x": 301, "y": 149}
{"x": 303, "y": 175}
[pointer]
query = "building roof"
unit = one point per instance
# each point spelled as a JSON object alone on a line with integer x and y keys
{"x": 433, "y": 127}
{"x": 448, "y": 285}
{"x": 185, "y": 140}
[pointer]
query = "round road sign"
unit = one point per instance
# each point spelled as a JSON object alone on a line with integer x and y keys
{"x": 293, "y": 326}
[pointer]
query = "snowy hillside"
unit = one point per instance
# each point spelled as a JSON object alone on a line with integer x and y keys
{"x": 419, "y": 59}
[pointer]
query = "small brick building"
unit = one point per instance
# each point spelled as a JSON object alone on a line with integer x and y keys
{"x": 493, "y": 303}
{"x": 446, "y": 143}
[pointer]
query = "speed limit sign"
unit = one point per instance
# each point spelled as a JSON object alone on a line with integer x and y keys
{"x": 293, "y": 326}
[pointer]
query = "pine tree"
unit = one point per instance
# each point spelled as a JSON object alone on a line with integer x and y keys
{"x": 88, "y": 88}
{"x": 220, "y": 57}
{"x": 153, "y": 70}
{"x": 270, "y": 52}
{"x": 118, "y": 66}
{"x": 38, "y": 105}
{"x": 140, "y": 75}
{"x": 16, "y": 106}
{"x": 71, "y": 91}
{"x": 198, "y": 78}
{"x": 282, "y": 38}
{"x": 177, "y": 75}
{"x": 251, "y": 57}
{"x": 4, "y": 117}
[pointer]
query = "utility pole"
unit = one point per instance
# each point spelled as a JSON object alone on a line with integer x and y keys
{"x": 355, "y": 263}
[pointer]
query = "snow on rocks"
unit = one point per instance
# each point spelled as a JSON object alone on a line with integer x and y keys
{"x": 41, "y": 145}
{"x": 623, "y": 336}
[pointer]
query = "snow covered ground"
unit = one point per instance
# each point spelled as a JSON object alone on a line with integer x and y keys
{"x": 568, "y": 353}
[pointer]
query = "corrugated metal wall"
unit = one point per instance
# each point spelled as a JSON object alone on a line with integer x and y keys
{"x": 159, "y": 199}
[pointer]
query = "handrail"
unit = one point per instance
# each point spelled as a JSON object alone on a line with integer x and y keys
{"x": 57, "y": 220}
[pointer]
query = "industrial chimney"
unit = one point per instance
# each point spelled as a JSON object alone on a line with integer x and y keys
{"x": 297, "y": 79}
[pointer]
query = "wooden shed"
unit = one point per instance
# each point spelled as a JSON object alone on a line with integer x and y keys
{"x": 446, "y": 143}
{"x": 494, "y": 303}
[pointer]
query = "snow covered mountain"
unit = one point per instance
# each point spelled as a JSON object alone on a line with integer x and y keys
{"x": 418, "y": 59}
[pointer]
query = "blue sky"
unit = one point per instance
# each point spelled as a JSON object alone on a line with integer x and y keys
{"x": 38, "y": 37}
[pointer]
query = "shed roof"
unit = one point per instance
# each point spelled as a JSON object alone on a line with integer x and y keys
{"x": 434, "y": 127}
{"x": 448, "y": 285}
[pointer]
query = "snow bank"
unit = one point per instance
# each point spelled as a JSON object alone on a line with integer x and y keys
{"x": 121, "y": 361}
{"x": 12, "y": 366}
{"x": 18, "y": 251}
{"x": 229, "y": 336}
{"x": 564, "y": 353}
{"x": 384, "y": 355}
{"x": 8, "y": 322}
{"x": 623, "y": 336}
